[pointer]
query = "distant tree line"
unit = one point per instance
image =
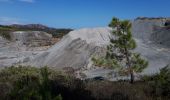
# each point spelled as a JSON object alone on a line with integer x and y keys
{"x": 57, "y": 33}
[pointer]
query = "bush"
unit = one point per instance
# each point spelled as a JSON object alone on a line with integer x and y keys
{"x": 28, "y": 83}
{"x": 160, "y": 82}
{"x": 106, "y": 90}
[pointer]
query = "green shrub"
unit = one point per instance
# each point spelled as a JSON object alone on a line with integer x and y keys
{"x": 160, "y": 82}
{"x": 102, "y": 62}
{"x": 5, "y": 35}
{"x": 27, "y": 83}
{"x": 11, "y": 74}
{"x": 5, "y": 32}
{"x": 59, "y": 97}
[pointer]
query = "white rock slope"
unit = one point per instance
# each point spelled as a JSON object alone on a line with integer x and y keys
{"x": 75, "y": 49}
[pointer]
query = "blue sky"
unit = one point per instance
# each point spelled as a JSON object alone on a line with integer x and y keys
{"x": 78, "y": 13}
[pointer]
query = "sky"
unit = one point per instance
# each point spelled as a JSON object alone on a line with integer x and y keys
{"x": 78, "y": 13}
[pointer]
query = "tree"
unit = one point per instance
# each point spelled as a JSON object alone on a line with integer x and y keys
{"x": 119, "y": 51}
{"x": 121, "y": 48}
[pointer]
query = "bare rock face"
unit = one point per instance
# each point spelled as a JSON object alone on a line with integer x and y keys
{"x": 142, "y": 28}
{"x": 152, "y": 30}
{"x": 75, "y": 49}
{"x": 32, "y": 38}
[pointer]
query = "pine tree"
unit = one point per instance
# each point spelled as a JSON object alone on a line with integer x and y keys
{"x": 119, "y": 52}
{"x": 121, "y": 48}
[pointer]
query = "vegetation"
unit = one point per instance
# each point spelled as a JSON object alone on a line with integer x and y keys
{"x": 167, "y": 23}
{"x": 119, "y": 52}
{"x": 4, "y": 32}
{"x": 30, "y": 83}
{"x": 160, "y": 82}
{"x": 27, "y": 83}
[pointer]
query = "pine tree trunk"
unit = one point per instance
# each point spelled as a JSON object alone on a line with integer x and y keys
{"x": 131, "y": 77}
{"x": 129, "y": 67}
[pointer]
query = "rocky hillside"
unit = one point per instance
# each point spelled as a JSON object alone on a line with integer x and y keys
{"x": 76, "y": 49}
{"x": 151, "y": 34}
